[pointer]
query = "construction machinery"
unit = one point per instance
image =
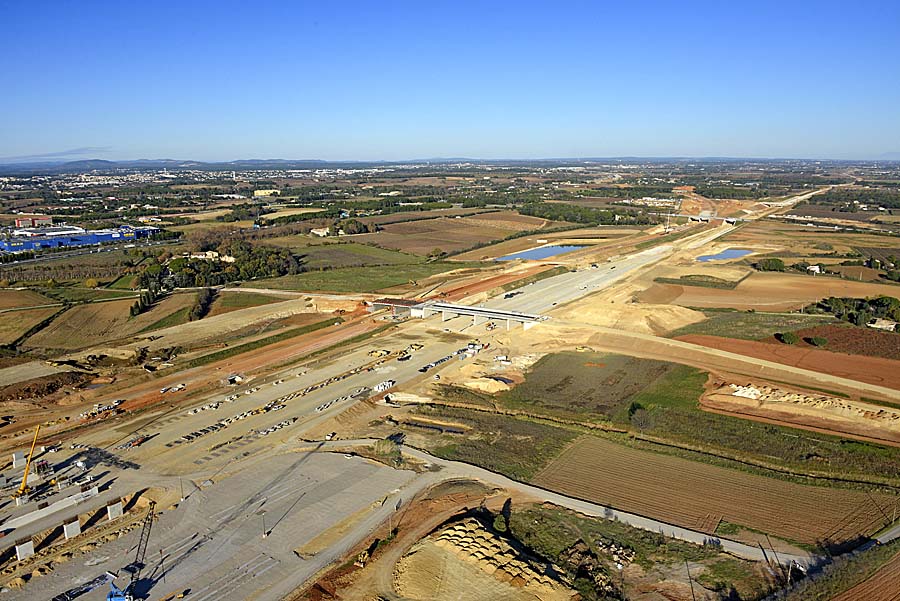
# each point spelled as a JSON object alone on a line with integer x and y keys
{"x": 23, "y": 488}
{"x": 134, "y": 568}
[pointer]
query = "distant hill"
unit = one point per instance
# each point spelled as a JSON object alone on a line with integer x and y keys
{"x": 60, "y": 167}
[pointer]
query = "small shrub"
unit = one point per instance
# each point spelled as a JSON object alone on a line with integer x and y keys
{"x": 788, "y": 337}
{"x": 818, "y": 341}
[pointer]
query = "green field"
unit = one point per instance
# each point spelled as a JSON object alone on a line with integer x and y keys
{"x": 703, "y": 281}
{"x": 751, "y": 326}
{"x": 125, "y": 282}
{"x": 661, "y": 400}
{"x": 174, "y": 319}
{"x": 584, "y": 385}
{"x": 358, "y": 279}
{"x": 233, "y": 301}
{"x": 673, "y": 414}
{"x": 517, "y": 448}
{"x": 336, "y": 256}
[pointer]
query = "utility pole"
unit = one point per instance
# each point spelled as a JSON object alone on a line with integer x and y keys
{"x": 181, "y": 484}
{"x": 690, "y": 581}
{"x": 265, "y": 533}
{"x": 775, "y": 553}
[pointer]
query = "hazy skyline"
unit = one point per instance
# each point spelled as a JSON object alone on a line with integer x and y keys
{"x": 397, "y": 80}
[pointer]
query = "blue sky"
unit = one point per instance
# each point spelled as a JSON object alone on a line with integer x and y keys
{"x": 392, "y": 80}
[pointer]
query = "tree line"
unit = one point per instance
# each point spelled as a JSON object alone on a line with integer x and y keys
{"x": 586, "y": 215}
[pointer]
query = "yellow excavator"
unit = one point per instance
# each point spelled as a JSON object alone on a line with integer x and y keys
{"x": 23, "y": 489}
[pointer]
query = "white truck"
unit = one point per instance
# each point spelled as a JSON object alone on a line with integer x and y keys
{"x": 383, "y": 386}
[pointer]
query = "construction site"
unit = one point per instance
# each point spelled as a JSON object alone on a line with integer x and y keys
{"x": 324, "y": 445}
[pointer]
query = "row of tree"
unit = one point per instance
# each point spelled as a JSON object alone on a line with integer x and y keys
{"x": 146, "y": 300}
{"x": 202, "y": 304}
{"x": 586, "y": 215}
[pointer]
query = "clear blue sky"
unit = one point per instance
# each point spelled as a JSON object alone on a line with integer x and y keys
{"x": 390, "y": 80}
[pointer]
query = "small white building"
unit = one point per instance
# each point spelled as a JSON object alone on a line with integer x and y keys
{"x": 883, "y": 324}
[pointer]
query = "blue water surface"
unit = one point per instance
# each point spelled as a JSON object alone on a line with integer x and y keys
{"x": 540, "y": 253}
{"x": 729, "y": 253}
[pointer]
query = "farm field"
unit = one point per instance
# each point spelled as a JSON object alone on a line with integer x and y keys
{"x": 226, "y": 302}
{"x": 336, "y": 256}
{"x": 128, "y": 281}
{"x": 883, "y": 585}
{"x": 585, "y": 383}
{"x": 296, "y": 242}
{"x": 96, "y": 323}
{"x": 14, "y": 324}
{"x": 288, "y": 211}
{"x": 203, "y": 215}
{"x": 78, "y": 295}
{"x": 420, "y": 215}
{"x": 752, "y": 326}
{"x": 602, "y": 236}
{"x": 212, "y": 225}
{"x": 13, "y": 299}
{"x": 874, "y": 370}
{"x": 765, "y": 292}
{"x": 450, "y": 234}
{"x": 882, "y": 253}
{"x": 514, "y": 447}
{"x": 699, "y": 496}
{"x": 357, "y": 279}
{"x": 799, "y": 240}
{"x": 845, "y": 338}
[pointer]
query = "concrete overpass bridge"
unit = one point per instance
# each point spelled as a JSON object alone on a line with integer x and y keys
{"x": 478, "y": 314}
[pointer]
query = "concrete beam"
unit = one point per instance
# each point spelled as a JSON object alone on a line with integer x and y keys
{"x": 72, "y": 529}
{"x": 24, "y": 548}
{"x": 114, "y": 510}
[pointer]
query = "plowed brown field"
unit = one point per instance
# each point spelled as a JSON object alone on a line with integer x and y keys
{"x": 851, "y": 340}
{"x": 767, "y": 292}
{"x": 883, "y": 585}
{"x": 698, "y": 495}
{"x": 874, "y": 370}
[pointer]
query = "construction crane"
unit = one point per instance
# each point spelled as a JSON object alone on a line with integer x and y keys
{"x": 135, "y": 567}
{"x": 23, "y": 489}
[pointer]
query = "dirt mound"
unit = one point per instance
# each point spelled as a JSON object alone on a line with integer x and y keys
{"x": 817, "y": 411}
{"x": 467, "y": 561}
{"x": 873, "y": 370}
{"x": 40, "y": 387}
{"x": 616, "y": 309}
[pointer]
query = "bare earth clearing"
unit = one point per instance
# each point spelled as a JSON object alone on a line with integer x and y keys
{"x": 874, "y": 370}
{"x": 767, "y": 292}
